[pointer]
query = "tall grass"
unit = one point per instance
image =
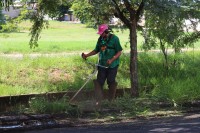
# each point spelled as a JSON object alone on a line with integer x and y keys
{"x": 44, "y": 74}
{"x": 180, "y": 83}
{"x": 52, "y": 74}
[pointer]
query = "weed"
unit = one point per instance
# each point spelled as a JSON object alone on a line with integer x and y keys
{"x": 53, "y": 106}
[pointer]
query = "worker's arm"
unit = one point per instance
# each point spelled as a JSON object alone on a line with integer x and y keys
{"x": 114, "y": 57}
{"x": 84, "y": 56}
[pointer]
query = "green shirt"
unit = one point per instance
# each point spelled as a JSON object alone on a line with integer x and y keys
{"x": 107, "y": 48}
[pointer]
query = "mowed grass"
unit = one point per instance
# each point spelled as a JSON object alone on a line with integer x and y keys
{"x": 61, "y": 37}
{"x": 58, "y": 37}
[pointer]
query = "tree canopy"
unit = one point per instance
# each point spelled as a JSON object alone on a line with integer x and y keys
{"x": 170, "y": 28}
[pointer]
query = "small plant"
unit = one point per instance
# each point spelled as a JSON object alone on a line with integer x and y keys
{"x": 127, "y": 105}
{"x": 53, "y": 106}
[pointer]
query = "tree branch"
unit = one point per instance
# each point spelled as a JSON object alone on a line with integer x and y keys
{"x": 120, "y": 14}
{"x": 140, "y": 10}
{"x": 128, "y": 6}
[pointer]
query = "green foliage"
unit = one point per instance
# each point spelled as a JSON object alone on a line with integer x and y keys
{"x": 6, "y": 3}
{"x": 1, "y": 19}
{"x": 63, "y": 8}
{"x": 127, "y": 105}
{"x": 12, "y": 24}
{"x": 82, "y": 12}
{"x": 51, "y": 8}
{"x": 54, "y": 74}
{"x": 179, "y": 84}
{"x": 38, "y": 24}
{"x": 93, "y": 12}
{"x": 44, "y": 7}
{"x": 53, "y": 106}
{"x": 165, "y": 24}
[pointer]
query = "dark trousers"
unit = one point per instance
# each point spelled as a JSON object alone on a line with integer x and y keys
{"x": 106, "y": 73}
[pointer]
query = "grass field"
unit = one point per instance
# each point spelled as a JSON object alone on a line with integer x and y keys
{"x": 59, "y": 37}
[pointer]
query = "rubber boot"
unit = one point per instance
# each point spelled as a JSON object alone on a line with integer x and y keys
{"x": 112, "y": 91}
{"x": 98, "y": 92}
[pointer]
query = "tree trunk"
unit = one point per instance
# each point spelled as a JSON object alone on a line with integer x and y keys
{"x": 133, "y": 59}
{"x": 162, "y": 46}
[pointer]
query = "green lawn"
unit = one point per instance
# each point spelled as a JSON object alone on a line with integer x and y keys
{"x": 59, "y": 37}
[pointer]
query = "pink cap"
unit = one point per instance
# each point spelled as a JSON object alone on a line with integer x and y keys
{"x": 102, "y": 28}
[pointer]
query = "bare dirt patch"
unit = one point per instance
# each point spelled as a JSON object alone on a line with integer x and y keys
{"x": 56, "y": 75}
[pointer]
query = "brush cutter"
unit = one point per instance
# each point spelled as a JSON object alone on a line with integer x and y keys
{"x": 89, "y": 78}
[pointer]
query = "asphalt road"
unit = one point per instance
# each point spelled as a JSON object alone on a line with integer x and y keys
{"x": 188, "y": 123}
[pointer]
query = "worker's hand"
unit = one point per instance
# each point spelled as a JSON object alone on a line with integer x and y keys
{"x": 84, "y": 56}
{"x": 109, "y": 61}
